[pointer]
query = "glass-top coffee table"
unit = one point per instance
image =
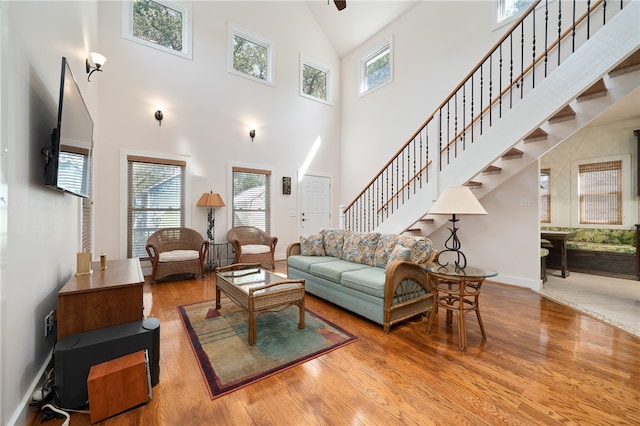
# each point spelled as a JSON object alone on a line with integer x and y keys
{"x": 257, "y": 291}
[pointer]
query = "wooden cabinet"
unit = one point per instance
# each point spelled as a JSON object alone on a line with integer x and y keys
{"x": 101, "y": 299}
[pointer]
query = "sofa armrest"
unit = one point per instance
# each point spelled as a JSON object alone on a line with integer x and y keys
{"x": 293, "y": 249}
{"x": 407, "y": 293}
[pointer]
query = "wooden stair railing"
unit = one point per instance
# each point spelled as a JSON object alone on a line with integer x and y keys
{"x": 408, "y": 170}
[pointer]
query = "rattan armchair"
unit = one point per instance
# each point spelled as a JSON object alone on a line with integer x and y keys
{"x": 176, "y": 251}
{"x": 253, "y": 245}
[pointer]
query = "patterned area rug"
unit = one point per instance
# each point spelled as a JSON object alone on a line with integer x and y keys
{"x": 219, "y": 341}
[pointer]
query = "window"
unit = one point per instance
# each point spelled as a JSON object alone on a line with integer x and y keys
{"x": 600, "y": 193}
{"x": 250, "y": 56}
{"x": 509, "y": 8}
{"x": 155, "y": 199}
{"x": 251, "y": 198}
{"x": 161, "y": 24}
{"x": 545, "y": 195}
{"x": 376, "y": 69}
{"x": 314, "y": 81}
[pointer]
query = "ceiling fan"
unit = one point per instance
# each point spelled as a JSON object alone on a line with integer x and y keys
{"x": 340, "y": 4}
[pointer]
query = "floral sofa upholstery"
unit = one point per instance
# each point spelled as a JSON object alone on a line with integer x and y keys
{"x": 610, "y": 252}
{"x": 377, "y": 276}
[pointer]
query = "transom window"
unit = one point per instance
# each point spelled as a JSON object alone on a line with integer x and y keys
{"x": 250, "y": 56}
{"x": 509, "y": 8}
{"x": 161, "y": 24}
{"x": 314, "y": 81}
{"x": 155, "y": 199}
{"x": 600, "y": 193}
{"x": 251, "y": 198}
{"x": 376, "y": 68}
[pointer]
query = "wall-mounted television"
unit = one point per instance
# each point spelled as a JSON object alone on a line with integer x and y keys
{"x": 68, "y": 159}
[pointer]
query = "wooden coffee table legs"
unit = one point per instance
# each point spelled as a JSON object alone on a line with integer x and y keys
{"x": 253, "y": 315}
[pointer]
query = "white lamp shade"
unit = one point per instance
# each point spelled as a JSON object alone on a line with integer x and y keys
{"x": 457, "y": 200}
{"x": 98, "y": 59}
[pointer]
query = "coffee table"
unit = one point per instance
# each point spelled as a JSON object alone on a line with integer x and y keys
{"x": 256, "y": 290}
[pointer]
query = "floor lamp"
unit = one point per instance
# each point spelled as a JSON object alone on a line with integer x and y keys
{"x": 456, "y": 200}
{"x": 211, "y": 201}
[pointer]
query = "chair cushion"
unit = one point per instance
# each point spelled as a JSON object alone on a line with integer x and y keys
{"x": 332, "y": 271}
{"x": 255, "y": 249}
{"x": 178, "y": 255}
{"x": 368, "y": 280}
{"x": 303, "y": 263}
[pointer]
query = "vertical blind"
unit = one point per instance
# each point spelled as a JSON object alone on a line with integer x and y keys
{"x": 545, "y": 195}
{"x": 600, "y": 193}
{"x": 155, "y": 199}
{"x": 251, "y": 195}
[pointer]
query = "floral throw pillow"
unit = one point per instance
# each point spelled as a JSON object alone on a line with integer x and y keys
{"x": 311, "y": 245}
{"x": 333, "y": 240}
{"x": 400, "y": 253}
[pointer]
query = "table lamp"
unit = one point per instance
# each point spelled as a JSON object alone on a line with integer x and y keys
{"x": 456, "y": 200}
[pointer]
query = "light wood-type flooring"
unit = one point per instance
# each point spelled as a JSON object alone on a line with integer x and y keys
{"x": 542, "y": 363}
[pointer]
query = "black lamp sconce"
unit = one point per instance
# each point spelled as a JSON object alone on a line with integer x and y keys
{"x": 159, "y": 116}
{"x": 98, "y": 61}
{"x": 252, "y": 134}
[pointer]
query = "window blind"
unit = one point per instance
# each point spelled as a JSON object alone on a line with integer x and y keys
{"x": 545, "y": 195}
{"x": 600, "y": 193}
{"x": 251, "y": 195}
{"x": 155, "y": 199}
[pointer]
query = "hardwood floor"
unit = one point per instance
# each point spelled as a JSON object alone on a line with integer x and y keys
{"x": 542, "y": 363}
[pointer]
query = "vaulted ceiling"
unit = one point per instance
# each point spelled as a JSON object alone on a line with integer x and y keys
{"x": 361, "y": 19}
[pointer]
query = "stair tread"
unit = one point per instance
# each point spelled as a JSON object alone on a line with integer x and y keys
{"x": 492, "y": 170}
{"x": 595, "y": 91}
{"x": 512, "y": 154}
{"x": 537, "y": 135}
{"x": 473, "y": 184}
{"x": 630, "y": 64}
{"x": 566, "y": 113}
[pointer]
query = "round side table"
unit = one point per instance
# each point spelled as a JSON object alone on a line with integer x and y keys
{"x": 457, "y": 290}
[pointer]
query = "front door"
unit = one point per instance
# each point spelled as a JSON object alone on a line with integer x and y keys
{"x": 315, "y": 204}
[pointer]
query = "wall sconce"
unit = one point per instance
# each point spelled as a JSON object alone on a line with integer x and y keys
{"x": 98, "y": 61}
{"x": 159, "y": 116}
{"x": 252, "y": 133}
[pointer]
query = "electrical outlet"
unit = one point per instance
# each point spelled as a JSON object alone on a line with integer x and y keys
{"x": 48, "y": 324}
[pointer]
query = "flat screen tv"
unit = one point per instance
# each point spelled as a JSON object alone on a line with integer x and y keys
{"x": 68, "y": 159}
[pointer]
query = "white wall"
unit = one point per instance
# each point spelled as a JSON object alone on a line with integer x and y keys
{"x": 42, "y": 234}
{"x": 208, "y": 112}
{"x": 435, "y": 46}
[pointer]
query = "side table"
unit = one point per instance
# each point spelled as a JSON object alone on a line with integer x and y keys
{"x": 458, "y": 290}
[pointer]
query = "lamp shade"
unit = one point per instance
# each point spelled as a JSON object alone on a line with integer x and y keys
{"x": 209, "y": 199}
{"x": 457, "y": 200}
{"x": 98, "y": 59}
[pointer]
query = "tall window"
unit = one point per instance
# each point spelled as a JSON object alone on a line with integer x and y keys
{"x": 250, "y": 56}
{"x": 155, "y": 199}
{"x": 251, "y": 198}
{"x": 600, "y": 193}
{"x": 509, "y": 8}
{"x": 545, "y": 195}
{"x": 162, "y": 24}
{"x": 376, "y": 69}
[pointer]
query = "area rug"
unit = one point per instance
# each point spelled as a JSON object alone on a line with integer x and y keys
{"x": 227, "y": 362}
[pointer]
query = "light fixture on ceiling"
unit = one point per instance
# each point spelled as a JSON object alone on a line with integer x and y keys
{"x": 456, "y": 200}
{"x": 252, "y": 134}
{"x": 340, "y": 4}
{"x": 98, "y": 61}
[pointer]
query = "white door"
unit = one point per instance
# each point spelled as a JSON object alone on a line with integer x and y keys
{"x": 315, "y": 204}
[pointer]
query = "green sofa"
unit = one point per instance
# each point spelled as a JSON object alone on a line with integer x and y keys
{"x": 377, "y": 276}
{"x": 610, "y": 252}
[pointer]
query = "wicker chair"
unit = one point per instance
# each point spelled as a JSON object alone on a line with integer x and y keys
{"x": 253, "y": 245}
{"x": 176, "y": 251}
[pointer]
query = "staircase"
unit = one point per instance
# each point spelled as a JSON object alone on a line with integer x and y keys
{"x": 492, "y": 127}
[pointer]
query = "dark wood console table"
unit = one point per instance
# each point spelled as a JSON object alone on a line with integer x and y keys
{"x": 101, "y": 299}
{"x": 560, "y": 238}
